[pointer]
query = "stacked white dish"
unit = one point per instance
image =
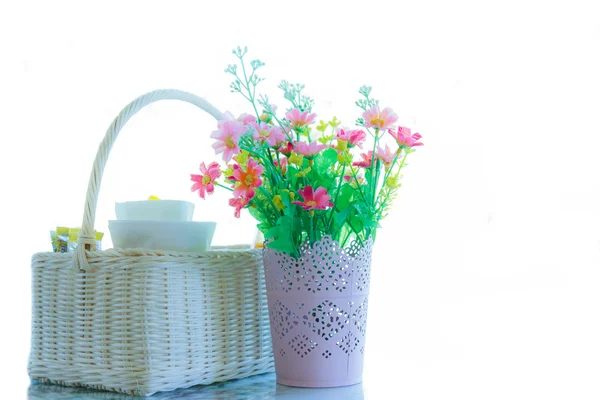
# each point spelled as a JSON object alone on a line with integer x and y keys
{"x": 160, "y": 225}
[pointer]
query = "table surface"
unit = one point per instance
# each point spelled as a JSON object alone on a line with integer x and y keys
{"x": 257, "y": 387}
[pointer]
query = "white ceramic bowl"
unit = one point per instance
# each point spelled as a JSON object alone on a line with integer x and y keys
{"x": 155, "y": 210}
{"x": 186, "y": 236}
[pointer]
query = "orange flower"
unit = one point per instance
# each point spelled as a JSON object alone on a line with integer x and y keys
{"x": 247, "y": 180}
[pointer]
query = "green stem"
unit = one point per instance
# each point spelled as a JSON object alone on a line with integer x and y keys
{"x": 358, "y": 185}
{"x": 252, "y": 152}
{"x": 268, "y": 196}
{"x": 387, "y": 173}
{"x": 274, "y": 174}
{"x": 346, "y": 239}
{"x": 250, "y": 94}
{"x": 272, "y": 221}
{"x": 223, "y": 186}
{"x": 383, "y": 203}
{"x": 356, "y": 232}
{"x": 333, "y": 233}
{"x": 337, "y": 194}
{"x": 373, "y": 166}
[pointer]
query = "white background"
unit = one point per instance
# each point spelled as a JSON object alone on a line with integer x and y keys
{"x": 485, "y": 279}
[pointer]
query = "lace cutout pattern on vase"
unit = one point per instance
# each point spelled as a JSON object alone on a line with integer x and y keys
{"x": 282, "y": 319}
{"x": 324, "y": 267}
{"x": 360, "y": 316}
{"x": 326, "y": 320}
{"x": 302, "y": 345}
{"x": 348, "y": 343}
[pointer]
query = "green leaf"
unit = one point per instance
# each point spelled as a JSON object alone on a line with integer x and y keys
{"x": 341, "y": 216}
{"x": 263, "y": 223}
{"x": 331, "y": 155}
{"x": 371, "y": 224}
{"x": 343, "y": 200}
{"x": 321, "y": 169}
{"x": 290, "y": 209}
{"x": 357, "y": 223}
{"x": 282, "y": 235}
{"x": 282, "y": 245}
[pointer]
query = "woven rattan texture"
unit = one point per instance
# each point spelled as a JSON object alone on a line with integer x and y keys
{"x": 142, "y": 321}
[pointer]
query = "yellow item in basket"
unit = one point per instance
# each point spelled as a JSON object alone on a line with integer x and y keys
{"x": 65, "y": 240}
{"x": 62, "y": 239}
{"x": 153, "y": 198}
{"x": 73, "y": 238}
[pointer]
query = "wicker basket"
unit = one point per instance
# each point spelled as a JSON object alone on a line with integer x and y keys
{"x": 141, "y": 321}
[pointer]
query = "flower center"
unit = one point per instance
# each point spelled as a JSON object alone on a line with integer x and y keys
{"x": 229, "y": 142}
{"x": 249, "y": 180}
{"x": 264, "y": 133}
{"x": 377, "y": 121}
{"x": 311, "y": 203}
{"x": 206, "y": 179}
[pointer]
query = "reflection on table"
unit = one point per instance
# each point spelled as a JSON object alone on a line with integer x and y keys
{"x": 256, "y": 387}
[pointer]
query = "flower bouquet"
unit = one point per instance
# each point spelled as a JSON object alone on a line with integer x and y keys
{"x": 318, "y": 192}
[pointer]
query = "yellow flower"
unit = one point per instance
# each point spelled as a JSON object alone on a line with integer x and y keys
{"x": 278, "y": 202}
{"x": 228, "y": 171}
{"x": 344, "y": 158}
{"x": 322, "y": 126}
{"x": 242, "y": 157}
{"x": 341, "y": 144}
{"x": 325, "y": 139}
{"x": 393, "y": 182}
{"x": 268, "y": 118}
{"x": 296, "y": 159}
{"x": 290, "y": 193}
{"x": 334, "y": 122}
{"x": 302, "y": 174}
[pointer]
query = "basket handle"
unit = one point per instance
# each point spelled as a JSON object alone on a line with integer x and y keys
{"x": 87, "y": 240}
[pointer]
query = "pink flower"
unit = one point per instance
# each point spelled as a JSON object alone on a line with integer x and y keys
{"x": 204, "y": 183}
{"x": 375, "y": 118}
{"x": 247, "y": 180}
{"x": 354, "y": 137}
{"x": 286, "y": 149}
{"x": 228, "y": 135}
{"x": 284, "y": 165}
{"x": 367, "y": 159}
{"x": 273, "y": 135}
{"x": 386, "y": 156}
{"x": 405, "y": 139}
{"x": 238, "y": 203}
{"x": 299, "y": 119}
{"x": 317, "y": 200}
{"x": 308, "y": 149}
{"x": 354, "y": 182}
{"x": 245, "y": 119}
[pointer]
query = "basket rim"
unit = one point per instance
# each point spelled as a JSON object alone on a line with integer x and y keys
{"x": 155, "y": 255}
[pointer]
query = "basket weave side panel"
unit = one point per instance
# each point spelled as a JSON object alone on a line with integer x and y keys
{"x": 140, "y": 324}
